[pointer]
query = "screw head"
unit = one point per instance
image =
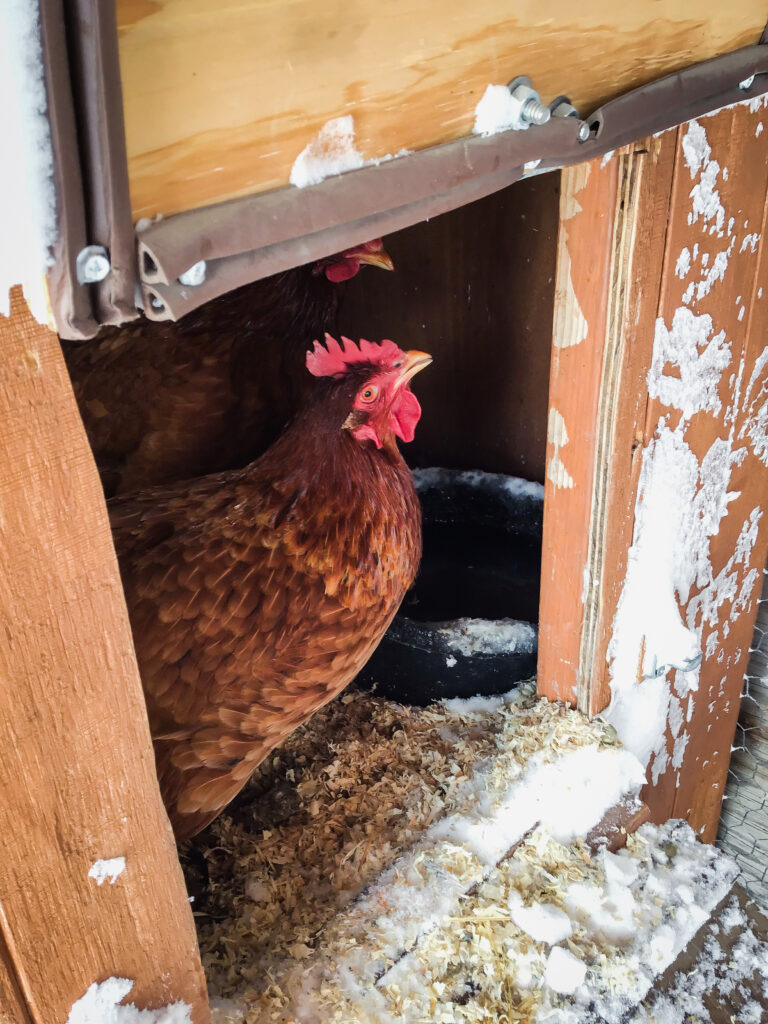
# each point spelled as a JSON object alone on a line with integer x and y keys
{"x": 584, "y": 133}
{"x": 747, "y": 83}
{"x": 92, "y": 264}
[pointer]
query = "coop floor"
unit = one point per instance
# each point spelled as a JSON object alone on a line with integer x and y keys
{"x": 445, "y": 865}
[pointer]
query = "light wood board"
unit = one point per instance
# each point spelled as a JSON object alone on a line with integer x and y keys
{"x": 221, "y": 96}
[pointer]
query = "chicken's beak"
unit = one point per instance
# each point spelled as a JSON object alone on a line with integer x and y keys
{"x": 375, "y": 258}
{"x": 414, "y": 362}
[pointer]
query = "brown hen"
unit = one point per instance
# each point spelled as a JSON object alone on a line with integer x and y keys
{"x": 170, "y": 401}
{"x": 256, "y": 595}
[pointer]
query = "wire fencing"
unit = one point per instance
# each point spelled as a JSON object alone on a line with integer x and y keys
{"x": 744, "y": 822}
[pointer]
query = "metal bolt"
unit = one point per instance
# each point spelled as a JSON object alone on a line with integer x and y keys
{"x": 561, "y": 106}
{"x": 747, "y": 83}
{"x": 532, "y": 110}
{"x": 584, "y": 131}
{"x": 535, "y": 112}
{"x": 92, "y": 264}
{"x": 195, "y": 275}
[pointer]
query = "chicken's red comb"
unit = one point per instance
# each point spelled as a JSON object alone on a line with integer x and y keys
{"x": 334, "y": 358}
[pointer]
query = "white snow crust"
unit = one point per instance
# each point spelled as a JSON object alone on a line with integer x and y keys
{"x": 111, "y": 869}
{"x": 564, "y": 972}
{"x": 436, "y": 476}
{"x": 490, "y": 636}
{"x": 27, "y": 194}
{"x": 497, "y": 111}
{"x": 332, "y": 151}
{"x": 101, "y": 1005}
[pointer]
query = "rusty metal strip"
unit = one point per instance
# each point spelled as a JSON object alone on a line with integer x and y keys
{"x": 245, "y": 239}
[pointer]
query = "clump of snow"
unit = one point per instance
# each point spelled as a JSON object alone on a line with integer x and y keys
{"x": 696, "y": 149}
{"x": 706, "y": 198}
{"x": 332, "y": 151}
{"x": 498, "y": 111}
{"x": 542, "y": 921}
{"x": 111, "y": 869}
{"x": 700, "y": 356}
{"x": 564, "y": 972}
{"x": 488, "y": 636}
{"x": 101, "y": 1005}
{"x": 683, "y": 264}
{"x": 27, "y": 192}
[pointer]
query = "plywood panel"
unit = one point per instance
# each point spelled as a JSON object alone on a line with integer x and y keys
{"x": 77, "y": 773}
{"x": 474, "y": 287}
{"x": 221, "y": 97}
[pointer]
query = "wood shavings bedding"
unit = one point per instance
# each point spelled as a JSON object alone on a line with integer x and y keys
{"x": 364, "y": 876}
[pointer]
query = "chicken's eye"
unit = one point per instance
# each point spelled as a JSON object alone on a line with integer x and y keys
{"x": 368, "y": 394}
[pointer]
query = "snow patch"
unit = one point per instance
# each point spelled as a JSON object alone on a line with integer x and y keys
{"x": 498, "y": 111}
{"x": 544, "y": 922}
{"x": 564, "y": 972}
{"x": 111, "y": 869}
{"x": 332, "y": 152}
{"x": 101, "y": 1005}
{"x": 27, "y": 191}
{"x": 683, "y": 264}
{"x": 488, "y": 636}
{"x": 700, "y": 357}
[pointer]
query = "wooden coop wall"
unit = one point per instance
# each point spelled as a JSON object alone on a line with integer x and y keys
{"x": 627, "y": 224}
{"x": 77, "y": 772}
{"x": 475, "y": 288}
{"x": 258, "y": 80}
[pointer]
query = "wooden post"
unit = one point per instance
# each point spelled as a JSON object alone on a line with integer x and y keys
{"x": 676, "y": 203}
{"x": 77, "y": 775}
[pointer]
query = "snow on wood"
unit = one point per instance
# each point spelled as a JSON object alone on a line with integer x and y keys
{"x": 332, "y": 151}
{"x": 111, "y": 869}
{"x": 27, "y": 196}
{"x": 101, "y": 1005}
{"x": 683, "y": 497}
{"x": 498, "y": 111}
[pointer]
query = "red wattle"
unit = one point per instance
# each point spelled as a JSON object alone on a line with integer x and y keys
{"x": 405, "y": 415}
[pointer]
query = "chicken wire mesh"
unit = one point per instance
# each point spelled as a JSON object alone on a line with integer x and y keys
{"x": 744, "y": 823}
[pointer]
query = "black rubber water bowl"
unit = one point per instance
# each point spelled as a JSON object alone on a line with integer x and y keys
{"x": 469, "y": 624}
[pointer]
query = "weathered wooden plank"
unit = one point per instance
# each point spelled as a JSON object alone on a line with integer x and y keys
{"x": 77, "y": 774}
{"x": 220, "y": 98}
{"x": 587, "y": 203}
{"x": 684, "y": 376}
{"x": 735, "y": 280}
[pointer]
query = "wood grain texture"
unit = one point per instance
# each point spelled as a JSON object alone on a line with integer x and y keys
{"x": 644, "y": 182}
{"x": 587, "y": 203}
{"x": 473, "y": 287}
{"x": 220, "y": 98}
{"x": 77, "y": 774}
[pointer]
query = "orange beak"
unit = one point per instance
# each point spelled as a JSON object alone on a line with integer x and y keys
{"x": 415, "y": 361}
{"x": 375, "y": 258}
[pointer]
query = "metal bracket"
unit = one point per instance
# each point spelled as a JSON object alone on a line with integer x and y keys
{"x": 689, "y": 665}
